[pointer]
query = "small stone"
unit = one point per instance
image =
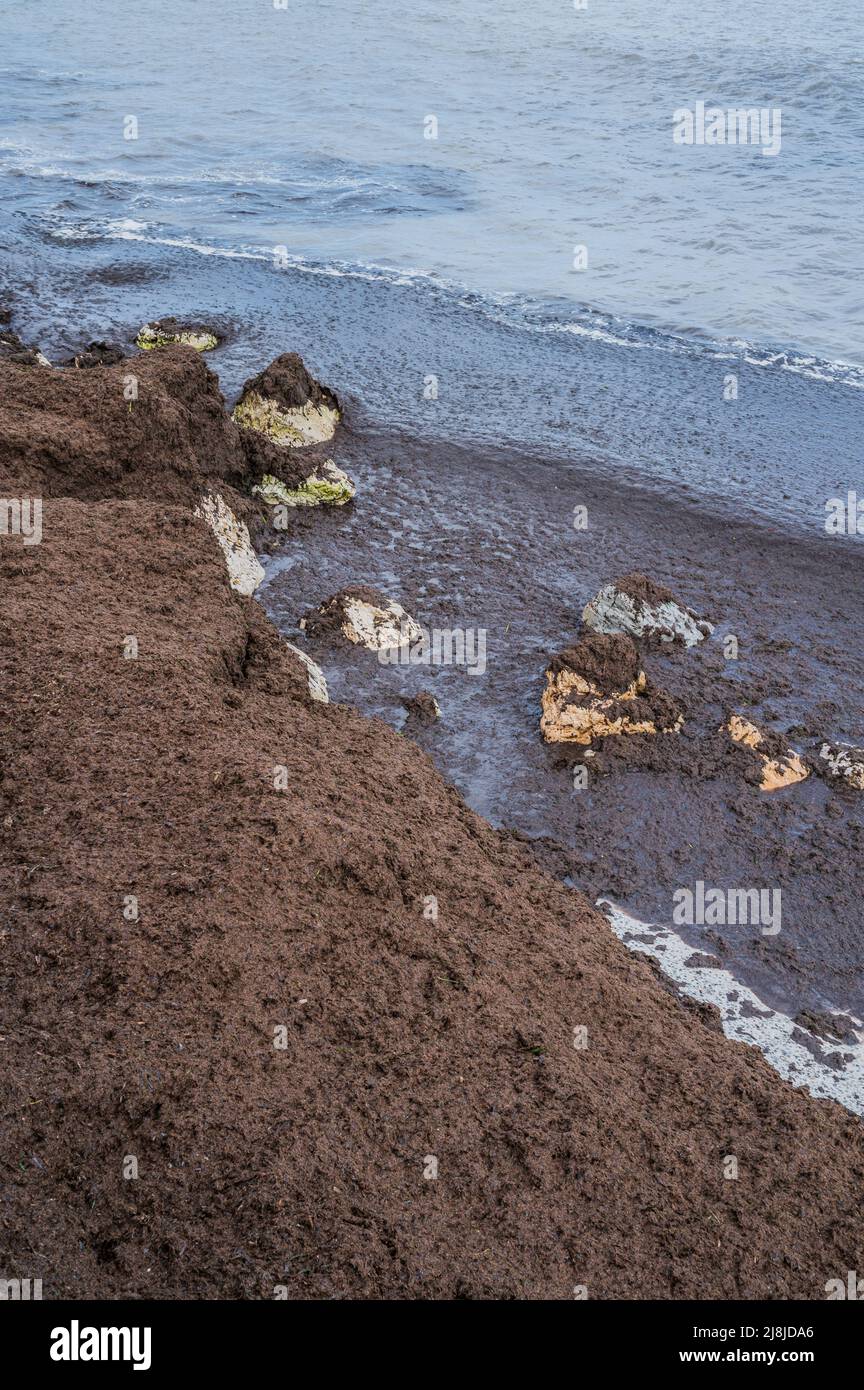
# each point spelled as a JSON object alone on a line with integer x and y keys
{"x": 12, "y": 349}
{"x": 366, "y": 617}
{"x": 781, "y": 765}
{"x": 844, "y": 763}
{"x": 422, "y": 708}
{"x": 170, "y": 331}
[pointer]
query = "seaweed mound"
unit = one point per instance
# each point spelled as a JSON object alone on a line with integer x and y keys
{"x": 280, "y": 1013}
{"x": 97, "y": 354}
{"x": 152, "y": 426}
{"x": 259, "y": 955}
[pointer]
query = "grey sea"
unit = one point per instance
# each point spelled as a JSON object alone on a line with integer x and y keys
{"x": 486, "y": 196}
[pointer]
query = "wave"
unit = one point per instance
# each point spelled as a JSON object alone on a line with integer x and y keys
{"x": 316, "y": 187}
{"x": 513, "y": 311}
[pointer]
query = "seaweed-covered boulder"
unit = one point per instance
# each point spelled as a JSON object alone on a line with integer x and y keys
{"x": 637, "y": 606}
{"x": 326, "y": 485}
{"x": 97, "y": 355}
{"x": 245, "y": 570}
{"x": 168, "y": 332}
{"x": 13, "y": 349}
{"x": 288, "y": 405}
{"x": 364, "y": 616}
{"x": 422, "y": 708}
{"x": 843, "y": 763}
{"x": 294, "y": 477}
{"x": 596, "y": 689}
{"x": 781, "y": 765}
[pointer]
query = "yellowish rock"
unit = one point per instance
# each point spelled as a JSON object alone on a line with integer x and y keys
{"x": 592, "y": 714}
{"x": 782, "y": 769}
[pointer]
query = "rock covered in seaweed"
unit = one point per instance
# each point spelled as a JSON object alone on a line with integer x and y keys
{"x": 294, "y": 477}
{"x": 365, "y": 617}
{"x": 596, "y": 689}
{"x": 781, "y": 765}
{"x": 97, "y": 354}
{"x": 168, "y": 332}
{"x": 422, "y": 708}
{"x": 636, "y": 605}
{"x": 288, "y": 405}
{"x": 14, "y": 349}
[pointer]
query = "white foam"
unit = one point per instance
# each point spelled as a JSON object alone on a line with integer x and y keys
{"x": 770, "y": 1031}
{"x": 507, "y": 310}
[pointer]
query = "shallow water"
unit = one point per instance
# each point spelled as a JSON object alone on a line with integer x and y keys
{"x": 431, "y": 281}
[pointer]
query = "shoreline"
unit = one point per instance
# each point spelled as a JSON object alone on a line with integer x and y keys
{"x": 781, "y": 449}
{"x": 484, "y": 539}
{"x": 302, "y": 910}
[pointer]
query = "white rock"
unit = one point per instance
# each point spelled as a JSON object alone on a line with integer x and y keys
{"x": 379, "y": 629}
{"x": 245, "y": 570}
{"x": 612, "y": 610}
{"x": 314, "y": 675}
{"x": 845, "y": 762}
{"x": 314, "y": 423}
{"x": 378, "y": 626}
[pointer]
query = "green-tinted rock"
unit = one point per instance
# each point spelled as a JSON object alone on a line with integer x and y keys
{"x": 328, "y": 486}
